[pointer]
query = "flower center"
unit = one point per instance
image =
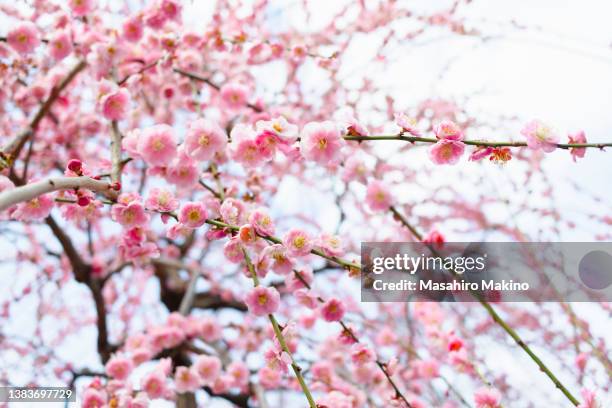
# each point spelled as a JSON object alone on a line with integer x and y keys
{"x": 299, "y": 242}
{"x": 262, "y": 299}
{"x": 322, "y": 144}
{"x": 204, "y": 140}
{"x": 158, "y": 145}
{"x": 194, "y": 215}
{"x": 277, "y": 127}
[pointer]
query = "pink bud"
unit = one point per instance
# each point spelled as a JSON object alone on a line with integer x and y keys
{"x": 83, "y": 201}
{"x": 75, "y": 166}
{"x": 116, "y": 186}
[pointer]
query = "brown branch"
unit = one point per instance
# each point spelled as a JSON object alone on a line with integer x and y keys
{"x": 11, "y": 150}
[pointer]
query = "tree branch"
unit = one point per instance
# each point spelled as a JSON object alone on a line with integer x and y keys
{"x": 11, "y": 150}
{"x": 30, "y": 191}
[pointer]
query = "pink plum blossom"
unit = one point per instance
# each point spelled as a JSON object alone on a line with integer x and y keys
{"x": 378, "y": 196}
{"x": 60, "y": 45}
{"x": 119, "y": 367}
{"x": 448, "y": 130}
{"x": 446, "y": 151}
{"x": 35, "y": 209}
{"x": 93, "y": 398}
{"x": 204, "y": 138}
{"x": 129, "y": 211}
{"x": 24, "y": 38}
{"x": 298, "y": 242}
{"x": 156, "y": 145}
{"x": 208, "y": 369}
{"x": 115, "y": 104}
{"x": 279, "y": 127}
{"x": 540, "y": 136}
{"x": 154, "y": 384}
{"x": 82, "y": 7}
{"x": 238, "y": 373}
{"x": 578, "y": 137}
{"x": 193, "y": 214}
{"x": 262, "y": 301}
{"x": 321, "y": 142}
{"x": 234, "y": 95}
{"x": 333, "y": 310}
{"x": 276, "y": 258}
{"x": 407, "y": 124}
{"x": 487, "y": 398}
{"x": 261, "y": 221}
{"x": 133, "y": 29}
{"x": 362, "y": 354}
{"x": 186, "y": 380}
{"x": 331, "y": 245}
{"x": 161, "y": 200}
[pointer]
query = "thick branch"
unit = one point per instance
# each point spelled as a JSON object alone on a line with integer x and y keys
{"x": 30, "y": 191}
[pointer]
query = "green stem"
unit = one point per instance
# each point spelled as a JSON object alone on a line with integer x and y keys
{"x": 281, "y": 339}
{"x": 414, "y": 139}
{"x": 497, "y": 318}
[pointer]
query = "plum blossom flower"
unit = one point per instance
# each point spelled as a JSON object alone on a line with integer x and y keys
{"x": 208, "y": 369}
{"x": 331, "y": 245}
{"x": 487, "y": 398}
{"x": 333, "y": 310}
{"x": 298, "y": 243}
{"x": 233, "y": 211}
{"x": 269, "y": 378}
{"x": 446, "y": 151}
{"x": 234, "y": 95}
{"x": 407, "y": 124}
{"x": 428, "y": 369}
{"x": 119, "y": 367}
{"x": 361, "y": 354}
{"x": 209, "y": 330}
{"x": 247, "y": 235}
{"x": 378, "y": 196}
{"x": 244, "y": 148}
{"x": 35, "y": 209}
{"x": 321, "y": 142}
{"x": 156, "y": 145}
{"x": 589, "y": 399}
{"x": 93, "y": 398}
{"x": 354, "y": 128}
{"x": 233, "y": 250}
{"x": 186, "y": 380}
{"x": 277, "y": 259}
{"x": 133, "y": 29}
{"x": 115, "y": 104}
{"x": 238, "y": 373}
{"x": 60, "y": 45}
{"x": 161, "y": 200}
{"x": 81, "y": 7}
{"x": 578, "y": 137}
{"x": 261, "y": 221}
{"x": 24, "y": 38}
{"x": 204, "y": 138}
{"x": 262, "y": 301}
{"x": 279, "y": 127}
{"x": 540, "y": 136}
{"x": 336, "y": 399}
{"x": 154, "y": 384}
{"x": 448, "y": 130}
{"x": 129, "y": 211}
{"x": 183, "y": 172}
{"x": 193, "y": 214}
